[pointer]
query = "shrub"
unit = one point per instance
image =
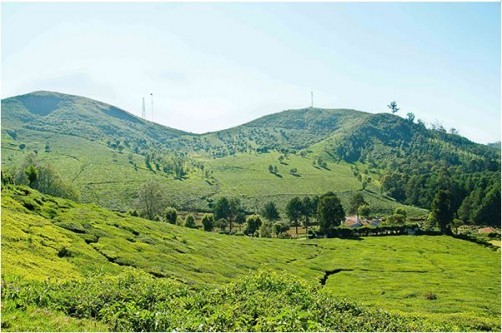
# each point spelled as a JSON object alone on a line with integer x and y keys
{"x": 208, "y": 222}
{"x": 64, "y": 252}
{"x": 253, "y": 222}
{"x": 222, "y": 224}
{"x": 170, "y": 215}
{"x": 190, "y": 221}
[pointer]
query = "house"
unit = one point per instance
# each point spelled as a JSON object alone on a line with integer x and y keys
{"x": 487, "y": 230}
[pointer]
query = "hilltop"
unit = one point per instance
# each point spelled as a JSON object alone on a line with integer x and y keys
{"x": 109, "y": 153}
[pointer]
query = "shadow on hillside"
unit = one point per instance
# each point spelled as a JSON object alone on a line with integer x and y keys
{"x": 277, "y": 175}
{"x": 296, "y": 175}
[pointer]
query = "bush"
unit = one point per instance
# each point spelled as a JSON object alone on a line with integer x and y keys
{"x": 64, "y": 252}
{"x": 253, "y": 222}
{"x": 170, "y": 215}
{"x": 208, "y": 222}
{"x": 222, "y": 224}
{"x": 280, "y": 228}
{"x": 190, "y": 221}
{"x": 266, "y": 230}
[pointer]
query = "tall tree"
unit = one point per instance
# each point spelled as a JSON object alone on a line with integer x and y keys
{"x": 307, "y": 212}
{"x": 222, "y": 209}
{"x": 294, "y": 211}
{"x": 235, "y": 209}
{"x": 393, "y": 107}
{"x": 356, "y": 201}
{"x": 208, "y": 222}
{"x": 330, "y": 213}
{"x": 270, "y": 211}
{"x": 253, "y": 223}
{"x": 151, "y": 199}
{"x": 441, "y": 211}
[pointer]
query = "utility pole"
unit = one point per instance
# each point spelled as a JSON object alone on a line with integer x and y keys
{"x": 151, "y": 94}
{"x": 143, "y": 113}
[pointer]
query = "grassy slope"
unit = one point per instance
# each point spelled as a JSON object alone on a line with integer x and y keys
{"x": 106, "y": 177}
{"x": 393, "y": 273}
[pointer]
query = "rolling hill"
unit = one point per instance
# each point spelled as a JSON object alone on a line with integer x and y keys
{"x": 71, "y": 266}
{"x": 109, "y": 153}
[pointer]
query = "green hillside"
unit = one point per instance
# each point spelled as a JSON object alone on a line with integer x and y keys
{"x": 108, "y": 154}
{"x": 82, "y": 255}
{"x": 104, "y": 153}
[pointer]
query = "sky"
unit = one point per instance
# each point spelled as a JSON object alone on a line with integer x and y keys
{"x": 214, "y": 66}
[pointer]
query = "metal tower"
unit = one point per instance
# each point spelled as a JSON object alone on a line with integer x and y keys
{"x": 151, "y": 94}
{"x": 311, "y": 99}
{"x": 143, "y": 113}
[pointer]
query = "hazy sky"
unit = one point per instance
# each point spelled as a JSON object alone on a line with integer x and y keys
{"x": 213, "y": 66}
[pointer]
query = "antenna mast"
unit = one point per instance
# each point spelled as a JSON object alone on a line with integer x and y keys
{"x": 311, "y": 99}
{"x": 143, "y": 113}
{"x": 151, "y": 94}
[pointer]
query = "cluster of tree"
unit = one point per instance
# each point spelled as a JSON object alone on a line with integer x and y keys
{"x": 475, "y": 197}
{"x": 230, "y": 210}
{"x": 41, "y": 177}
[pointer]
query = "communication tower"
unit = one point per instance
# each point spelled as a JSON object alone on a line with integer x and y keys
{"x": 143, "y": 113}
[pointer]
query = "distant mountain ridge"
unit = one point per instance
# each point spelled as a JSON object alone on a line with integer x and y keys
{"x": 100, "y": 145}
{"x": 79, "y": 116}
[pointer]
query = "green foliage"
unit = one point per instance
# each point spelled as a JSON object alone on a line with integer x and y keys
{"x": 441, "y": 211}
{"x": 270, "y": 211}
{"x": 190, "y": 221}
{"x": 222, "y": 209}
{"x": 265, "y": 301}
{"x": 391, "y": 273}
{"x": 364, "y": 211}
{"x": 32, "y": 174}
{"x": 151, "y": 200}
{"x": 171, "y": 215}
{"x": 208, "y": 222}
{"x": 356, "y": 201}
{"x": 294, "y": 211}
{"x": 393, "y": 107}
{"x": 280, "y": 228}
{"x": 266, "y": 229}
{"x": 222, "y": 224}
{"x": 330, "y": 213}
{"x": 253, "y": 223}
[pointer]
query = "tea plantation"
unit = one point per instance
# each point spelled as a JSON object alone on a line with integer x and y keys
{"x": 78, "y": 267}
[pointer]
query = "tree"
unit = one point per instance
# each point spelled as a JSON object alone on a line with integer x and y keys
{"x": 253, "y": 223}
{"x": 294, "y": 211}
{"x": 330, "y": 213}
{"x": 364, "y": 211}
{"x": 32, "y": 173}
{"x": 170, "y": 215}
{"x": 222, "y": 224}
{"x": 270, "y": 212}
{"x": 356, "y": 201}
{"x": 308, "y": 211}
{"x": 393, "y": 107}
{"x": 150, "y": 199}
{"x": 280, "y": 228}
{"x": 222, "y": 209}
{"x": 411, "y": 117}
{"x": 235, "y": 208}
{"x": 208, "y": 222}
{"x": 190, "y": 221}
{"x": 441, "y": 211}
{"x": 266, "y": 229}
{"x": 488, "y": 212}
